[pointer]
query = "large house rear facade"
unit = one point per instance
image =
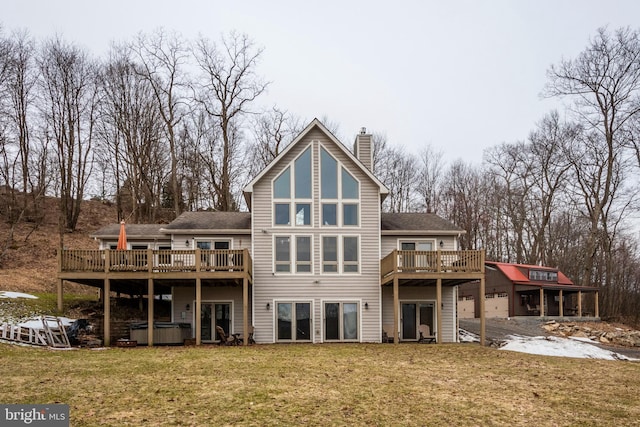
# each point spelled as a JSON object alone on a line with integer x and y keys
{"x": 314, "y": 260}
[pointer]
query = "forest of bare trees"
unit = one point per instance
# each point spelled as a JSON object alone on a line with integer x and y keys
{"x": 163, "y": 125}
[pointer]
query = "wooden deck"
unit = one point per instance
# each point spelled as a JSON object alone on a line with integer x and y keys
{"x": 75, "y": 264}
{"x": 454, "y": 266}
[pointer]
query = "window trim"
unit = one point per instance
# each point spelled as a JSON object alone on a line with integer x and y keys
{"x": 292, "y": 201}
{"x": 293, "y": 301}
{"x": 322, "y": 260}
{"x": 358, "y": 262}
{"x": 310, "y": 262}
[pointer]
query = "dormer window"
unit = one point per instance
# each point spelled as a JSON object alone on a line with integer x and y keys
{"x": 543, "y": 275}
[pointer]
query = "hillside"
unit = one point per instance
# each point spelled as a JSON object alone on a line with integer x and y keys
{"x": 31, "y": 265}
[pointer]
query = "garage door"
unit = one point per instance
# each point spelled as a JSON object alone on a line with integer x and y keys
{"x": 496, "y": 305}
{"x": 466, "y": 308}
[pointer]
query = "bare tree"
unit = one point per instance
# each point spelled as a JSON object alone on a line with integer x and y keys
{"x": 273, "y": 130}
{"x": 68, "y": 107}
{"x": 229, "y": 85}
{"x": 397, "y": 169}
{"x": 430, "y": 177}
{"x": 604, "y": 83}
{"x": 162, "y": 58}
{"x": 131, "y": 128}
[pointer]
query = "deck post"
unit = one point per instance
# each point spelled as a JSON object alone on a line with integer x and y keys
{"x": 106, "y": 326}
{"x": 60, "y": 294}
{"x": 60, "y": 281}
{"x": 150, "y": 299}
{"x": 198, "y": 311}
{"x": 579, "y": 303}
{"x": 482, "y": 313}
{"x": 245, "y": 310}
{"x": 596, "y": 308}
{"x": 439, "y": 309}
{"x": 396, "y": 310}
{"x": 541, "y": 301}
{"x": 561, "y": 304}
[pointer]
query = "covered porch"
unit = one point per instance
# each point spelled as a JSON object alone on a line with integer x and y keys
{"x": 556, "y": 301}
{"x": 419, "y": 273}
{"x": 152, "y": 272}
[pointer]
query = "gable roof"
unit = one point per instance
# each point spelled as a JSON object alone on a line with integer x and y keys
{"x": 417, "y": 223}
{"x": 134, "y": 231}
{"x": 514, "y": 273}
{"x": 248, "y": 189}
{"x": 210, "y": 222}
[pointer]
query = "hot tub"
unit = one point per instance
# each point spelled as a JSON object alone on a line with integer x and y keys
{"x": 163, "y": 332}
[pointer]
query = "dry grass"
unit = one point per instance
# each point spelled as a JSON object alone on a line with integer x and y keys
{"x": 368, "y": 384}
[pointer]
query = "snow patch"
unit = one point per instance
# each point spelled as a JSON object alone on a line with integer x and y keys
{"x": 556, "y": 346}
{"x": 8, "y": 294}
{"x": 36, "y": 323}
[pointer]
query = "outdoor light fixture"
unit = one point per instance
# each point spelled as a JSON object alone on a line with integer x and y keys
{"x": 366, "y": 306}
{"x": 188, "y": 307}
{"x": 268, "y": 306}
{"x": 441, "y": 244}
{"x": 186, "y": 243}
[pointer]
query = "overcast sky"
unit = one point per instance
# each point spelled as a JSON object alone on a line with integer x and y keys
{"x": 458, "y": 75}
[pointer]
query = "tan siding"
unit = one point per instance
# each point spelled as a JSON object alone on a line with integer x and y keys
{"x": 362, "y": 287}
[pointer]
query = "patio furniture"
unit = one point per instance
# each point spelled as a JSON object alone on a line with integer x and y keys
{"x": 251, "y": 340}
{"x": 425, "y": 335}
{"x": 387, "y": 333}
{"x": 231, "y": 339}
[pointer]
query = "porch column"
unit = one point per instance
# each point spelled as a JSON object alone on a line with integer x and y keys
{"x": 150, "y": 312}
{"x": 198, "y": 310}
{"x": 245, "y": 310}
{"x": 439, "y": 309}
{"x": 541, "y": 302}
{"x": 596, "y": 308}
{"x": 396, "y": 310}
{"x": 561, "y": 304}
{"x": 579, "y": 303}
{"x": 60, "y": 295}
{"x": 482, "y": 314}
{"x": 106, "y": 323}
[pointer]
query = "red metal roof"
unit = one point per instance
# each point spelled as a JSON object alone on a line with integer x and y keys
{"x": 514, "y": 272}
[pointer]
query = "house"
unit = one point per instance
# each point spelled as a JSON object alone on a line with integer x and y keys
{"x": 315, "y": 260}
{"x": 526, "y": 290}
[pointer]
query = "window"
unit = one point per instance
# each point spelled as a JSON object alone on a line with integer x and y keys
{"x": 350, "y": 187}
{"x": 283, "y": 254}
{"x": 303, "y": 254}
{"x": 330, "y": 254}
{"x": 547, "y": 276}
{"x": 350, "y": 214}
{"x": 303, "y": 175}
{"x": 294, "y": 321}
{"x": 340, "y": 193}
{"x": 296, "y": 210}
{"x": 329, "y": 175}
{"x": 341, "y": 321}
{"x": 282, "y": 214}
{"x": 303, "y": 214}
{"x": 282, "y": 185}
{"x": 350, "y": 254}
{"x": 329, "y": 214}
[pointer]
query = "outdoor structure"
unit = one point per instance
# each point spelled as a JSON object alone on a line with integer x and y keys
{"x": 315, "y": 260}
{"x": 526, "y": 290}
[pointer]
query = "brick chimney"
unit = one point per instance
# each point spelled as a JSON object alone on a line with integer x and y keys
{"x": 363, "y": 148}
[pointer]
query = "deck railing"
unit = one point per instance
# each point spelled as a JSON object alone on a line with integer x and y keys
{"x": 399, "y": 261}
{"x": 150, "y": 260}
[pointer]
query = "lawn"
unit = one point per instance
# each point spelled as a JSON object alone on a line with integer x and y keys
{"x": 360, "y": 384}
